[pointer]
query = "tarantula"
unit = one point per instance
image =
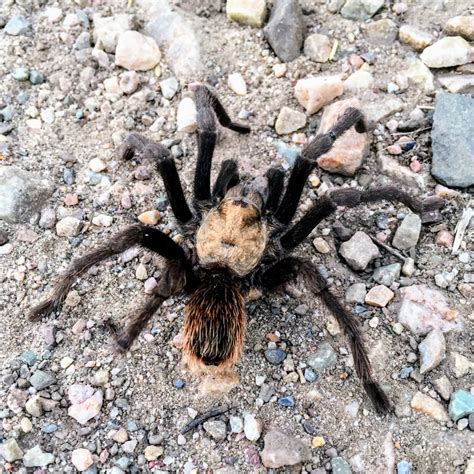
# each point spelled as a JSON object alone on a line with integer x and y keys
{"x": 239, "y": 236}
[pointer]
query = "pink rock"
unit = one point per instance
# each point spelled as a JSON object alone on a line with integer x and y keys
{"x": 71, "y": 199}
{"x": 82, "y": 459}
{"x": 126, "y": 201}
{"x": 444, "y": 239}
{"x": 379, "y": 296}
{"x": 150, "y": 285}
{"x": 394, "y": 149}
{"x": 316, "y": 92}
{"x": 349, "y": 151}
{"x": 423, "y": 309}
{"x": 416, "y": 166}
{"x": 88, "y": 409}
{"x": 79, "y": 393}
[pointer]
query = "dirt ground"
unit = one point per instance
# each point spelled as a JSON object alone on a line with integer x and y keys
{"x": 145, "y": 376}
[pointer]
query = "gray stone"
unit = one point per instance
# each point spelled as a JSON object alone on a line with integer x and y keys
{"x": 236, "y": 424}
{"x": 21, "y": 74}
{"x": 275, "y": 356}
{"x": 36, "y": 457}
{"x": 36, "y": 77}
{"x": 408, "y": 232}
{"x": 169, "y": 87}
{"x": 17, "y": 25}
{"x": 83, "y": 41}
{"x": 458, "y": 84}
{"x": 375, "y": 112}
{"x": 21, "y": 194}
{"x": 461, "y": 404}
{"x": 41, "y": 379}
{"x": 334, "y": 6}
{"x": 176, "y": 39}
{"x": 340, "y": 466}
{"x": 382, "y": 32}
{"x": 359, "y": 251}
{"x": 285, "y": 29}
{"x": 452, "y": 142}
{"x": 444, "y": 387}
{"x": 356, "y": 293}
{"x": 324, "y": 358}
{"x": 432, "y": 350}
{"x": 289, "y": 121}
{"x": 361, "y": 9}
{"x": 388, "y": 274}
{"x": 283, "y": 450}
{"x": 216, "y": 428}
{"x": 266, "y": 392}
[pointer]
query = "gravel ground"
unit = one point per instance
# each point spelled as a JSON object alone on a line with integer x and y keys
{"x": 65, "y": 129}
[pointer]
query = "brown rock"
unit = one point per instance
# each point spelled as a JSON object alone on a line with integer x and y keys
{"x": 414, "y": 37}
{"x": 462, "y": 26}
{"x": 349, "y": 151}
{"x": 314, "y": 93}
{"x": 379, "y": 296}
{"x": 425, "y": 404}
{"x": 444, "y": 239}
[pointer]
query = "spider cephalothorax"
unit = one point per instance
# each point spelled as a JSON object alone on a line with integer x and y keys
{"x": 240, "y": 236}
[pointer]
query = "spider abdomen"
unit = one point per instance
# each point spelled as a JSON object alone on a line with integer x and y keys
{"x": 214, "y": 324}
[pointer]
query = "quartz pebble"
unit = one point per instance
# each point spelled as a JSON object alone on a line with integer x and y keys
{"x": 186, "y": 116}
{"x": 68, "y": 227}
{"x": 169, "y": 87}
{"x": 152, "y": 453}
{"x": 17, "y": 25}
{"x": 316, "y": 92}
{"x": 237, "y": 84}
{"x": 358, "y": 81}
{"x": 252, "y": 427}
{"x": 128, "y": 82}
{"x": 10, "y": 450}
{"x": 36, "y": 457}
{"x": 136, "y": 52}
{"x": 87, "y": 408}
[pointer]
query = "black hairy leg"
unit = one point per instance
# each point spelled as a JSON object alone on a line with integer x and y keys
{"x": 286, "y": 270}
{"x": 227, "y": 178}
{"x": 172, "y": 282}
{"x": 208, "y": 107}
{"x": 276, "y": 180}
{"x": 326, "y": 205}
{"x": 148, "y": 237}
{"x": 151, "y": 150}
{"x": 306, "y": 162}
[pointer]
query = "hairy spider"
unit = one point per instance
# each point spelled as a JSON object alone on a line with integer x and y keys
{"x": 239, "y": 236}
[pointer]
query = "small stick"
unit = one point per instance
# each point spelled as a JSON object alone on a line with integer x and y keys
{"x": 413, "y": 131}
{"x": 204, "y": 417}
{"x": 389, "y": 249}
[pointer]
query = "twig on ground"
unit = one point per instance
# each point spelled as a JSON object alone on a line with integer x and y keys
{"x": 204, "y": 417}
{"x": 461, "y": 226}
{"x": 388, "y": 249}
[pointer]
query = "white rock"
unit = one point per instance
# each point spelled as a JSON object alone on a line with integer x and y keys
{"x": 68, "y": 227}
{"x": 252, "y": 427}
{"x": 237, "y": 84}
{"x": 247, "y": 12}
{"x": 136, "y": 51}
{"x": 447, "y": 52}
{"x": 97, "y": 165}
{"x": 102, "y": 220}
{"x": 186, "y": 116}
{"x": 36, "y": 457}
{"x": 88, "y": 409}
{"x": 317, "y": 48}
{"x": 129, "y": 81}
{"x": 10, "y": 450}
{"x": 53, "y": 14}
{"x": 359, "y": 251}
{"x": 358, "y": 81}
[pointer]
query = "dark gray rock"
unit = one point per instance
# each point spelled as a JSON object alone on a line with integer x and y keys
{"x": 21, "y": 194}
{"x": 40, "y": 380}
{"x": 285, "y": 29}
{"x": 453, "y": 140}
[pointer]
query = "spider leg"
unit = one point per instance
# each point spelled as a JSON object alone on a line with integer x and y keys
{"x": 276, "y": 179}
{"x": 318, "y": 146}
{"x": 326, "y": 205}
{"x": 208, "y": 107}
{"x": 284, "y": 271}
{"x": 152, "y": 150}
{"x": 172, "y": 282}
{"x": 227, "y": 178}
{"x": 148, "y": 237}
